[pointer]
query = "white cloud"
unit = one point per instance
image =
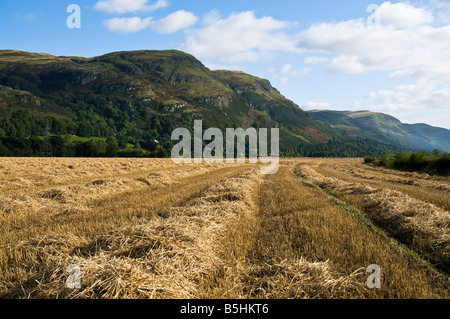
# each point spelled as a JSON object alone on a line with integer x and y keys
{"x": 403, "y": 15}
{"x": 346, "y": 64}
{"x": 405, "y": 44}
{"x": 244, "y": 37}
{"x": 127, "y": 25}
{"x": 422, "y": 95}
{"x": 174, "y": 22}
{"x": 129, "y": 6}
{"x": 317, "y": 105}
{"x": 239, "y": 37}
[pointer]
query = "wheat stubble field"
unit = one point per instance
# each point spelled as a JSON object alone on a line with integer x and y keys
{"x": 146, "y": 228}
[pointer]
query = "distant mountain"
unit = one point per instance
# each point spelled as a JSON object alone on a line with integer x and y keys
{"x": 387, "y": 129}
{"x": 142, "y": 96}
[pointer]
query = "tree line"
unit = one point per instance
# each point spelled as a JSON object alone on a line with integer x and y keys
{"x": 65, "y": 146}
{"x": 434, "y": 163}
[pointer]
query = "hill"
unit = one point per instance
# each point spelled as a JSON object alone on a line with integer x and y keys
{"x": 140, "y": 97}
{"x": 387, "y": 129}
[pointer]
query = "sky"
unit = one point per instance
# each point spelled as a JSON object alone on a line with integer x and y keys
{"x": 391, "y": 57}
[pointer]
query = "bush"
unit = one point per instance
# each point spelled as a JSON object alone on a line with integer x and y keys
{"x": 127, "y": 153}
{"x": 419, "y": 161}
{"x": 401, "y": 161}
{"x": 369, "y": 160}
{"x": 385, "y": 160}
{"x": 442, "y": 165}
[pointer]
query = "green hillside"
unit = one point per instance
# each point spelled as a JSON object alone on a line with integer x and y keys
{"x": 141, "y": 96}
{"x": 387, "y": 129}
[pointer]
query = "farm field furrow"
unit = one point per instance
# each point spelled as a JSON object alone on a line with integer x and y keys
{"x": 431, "y": 189}
{"x": 422, "y": 226}
{"x": 301, "y": 222}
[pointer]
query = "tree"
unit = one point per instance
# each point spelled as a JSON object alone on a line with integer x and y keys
{"x": 58, "y": 146}
{"x": 37, "y": 145}
{"x": 112, "y": 146}
{"x": 122, "y": 140}
{"x": 2, "y": 133}
{"x": 160, "y": 152}
{"x": 435, "y": 153}
{"x": 4, "y": 151}
{"x": 385, "y": 160}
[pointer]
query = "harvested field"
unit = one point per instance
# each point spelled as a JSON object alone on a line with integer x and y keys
{"x": 146, "y": 228}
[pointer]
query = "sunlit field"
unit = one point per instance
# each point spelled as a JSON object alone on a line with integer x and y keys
{"x": 149, "y": 228}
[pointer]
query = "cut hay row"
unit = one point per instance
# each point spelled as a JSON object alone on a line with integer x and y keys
{"x": 421, "y": 225}
{"x": 406, "y": 174}
{"x": 22, "y": 173}
{"x": 167, "y": 257}
{"x": 354, "y": 171}
{"x": 413, "y": 179}
{"x": 70, "y": 199}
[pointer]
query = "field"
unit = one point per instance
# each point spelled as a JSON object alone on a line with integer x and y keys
{"x": 149, "y": 228}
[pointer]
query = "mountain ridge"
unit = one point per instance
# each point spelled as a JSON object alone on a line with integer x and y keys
{"x": 142, "y": 96}
{"x": 386, "y": 128}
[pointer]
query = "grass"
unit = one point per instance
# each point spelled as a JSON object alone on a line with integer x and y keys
{"x": 75, "y": 138}
{"x": 87, "y": 139}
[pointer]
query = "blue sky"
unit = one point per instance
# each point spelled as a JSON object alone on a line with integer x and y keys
{"x": 322, "y": 54}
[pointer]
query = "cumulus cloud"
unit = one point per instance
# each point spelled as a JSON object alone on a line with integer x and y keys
{"x": 406, "y": 43}
{"x": 129, "y": 6}
{"x": 127, "y": 25}
{"x": 424, "y": 94}
{"x": 241, "y": 37}
{"x": 405, "y": 15}
{"x": 174, "y": 22}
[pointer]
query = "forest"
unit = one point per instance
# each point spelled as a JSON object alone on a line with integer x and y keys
{"x": 24, "y": 135}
